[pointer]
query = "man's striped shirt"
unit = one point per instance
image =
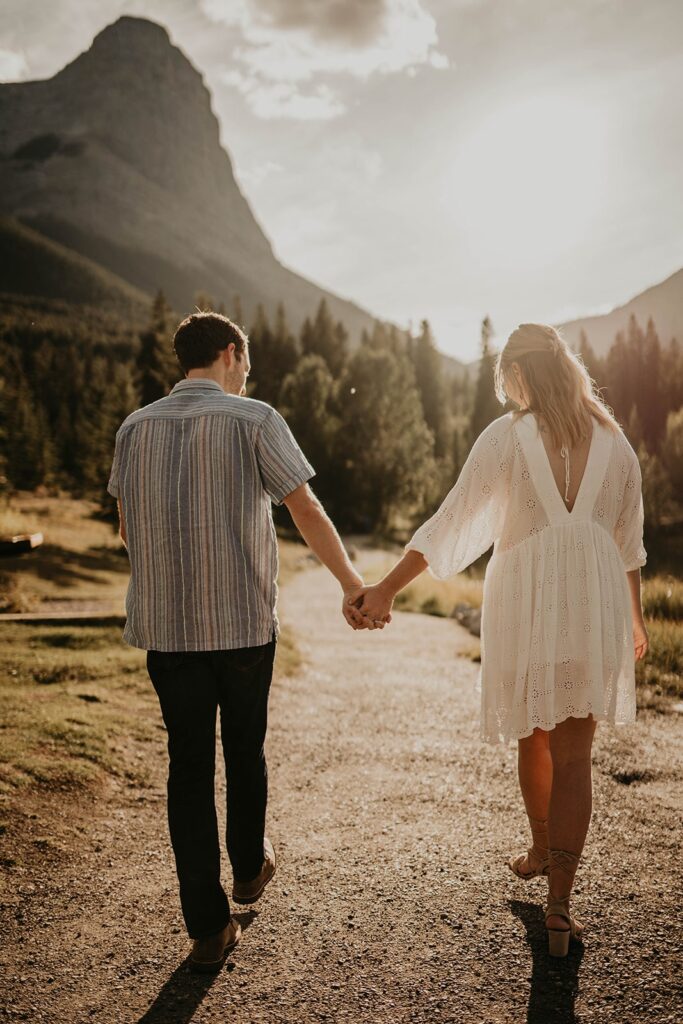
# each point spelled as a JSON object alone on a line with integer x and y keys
{"x": 196, "y": 473}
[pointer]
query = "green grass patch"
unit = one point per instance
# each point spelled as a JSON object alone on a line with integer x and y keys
{"x": 73, "y": 703}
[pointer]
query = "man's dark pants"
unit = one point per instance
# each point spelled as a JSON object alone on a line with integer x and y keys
{"x": 191, "y": 686}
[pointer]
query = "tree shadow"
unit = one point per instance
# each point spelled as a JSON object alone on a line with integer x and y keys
{"x": 554, "y": 982}
{"x": 67, "y": 568}
{"x": 181, "y": 995}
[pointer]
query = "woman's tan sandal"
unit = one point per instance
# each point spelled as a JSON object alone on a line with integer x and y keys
{"x": 536, "y": 856}
{"x": 558, "y": 938}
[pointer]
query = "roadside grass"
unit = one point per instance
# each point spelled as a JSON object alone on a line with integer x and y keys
{"x": 81, "y": 558}
{"x": 75, "y": 701}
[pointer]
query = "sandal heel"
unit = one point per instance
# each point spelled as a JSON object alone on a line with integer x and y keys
{"x": 558, "y": 942}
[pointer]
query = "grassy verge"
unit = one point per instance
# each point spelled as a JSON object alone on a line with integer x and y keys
{"x": 75, "y": 701}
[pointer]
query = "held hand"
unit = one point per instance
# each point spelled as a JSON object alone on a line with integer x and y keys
{"x": 350, "y": 611}
{"x": 376, "y": 604}
{"x": 641, "y": 642}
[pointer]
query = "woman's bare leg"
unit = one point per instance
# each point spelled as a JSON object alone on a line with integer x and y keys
{"x": 569, "y": 811}
{"x": 535, "y": 770}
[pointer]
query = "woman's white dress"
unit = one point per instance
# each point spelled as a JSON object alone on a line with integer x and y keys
{"x": 556, "y": 633}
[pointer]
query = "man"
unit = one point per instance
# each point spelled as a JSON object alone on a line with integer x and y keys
{"x": 194, "y": 475}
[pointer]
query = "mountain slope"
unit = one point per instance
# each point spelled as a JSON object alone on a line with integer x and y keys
{"x": 35, "y": 265}
{"x": 118, "y": 158}
{"x": 663, "y": 302}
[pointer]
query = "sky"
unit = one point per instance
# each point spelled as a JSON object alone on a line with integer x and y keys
{"x": 439, "y": 159}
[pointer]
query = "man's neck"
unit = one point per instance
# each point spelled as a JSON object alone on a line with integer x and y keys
{"x": 207, "y": 373}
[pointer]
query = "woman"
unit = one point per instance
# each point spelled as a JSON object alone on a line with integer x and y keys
{"x": 556, "y": 487}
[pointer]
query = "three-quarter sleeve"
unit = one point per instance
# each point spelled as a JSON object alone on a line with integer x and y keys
{"x": 468, "y": 521}
{"x": 282, "y": 464}
{"x": 628, "y": 532}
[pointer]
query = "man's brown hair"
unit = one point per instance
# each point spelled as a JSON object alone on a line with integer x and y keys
{"x": 201, "y": 336}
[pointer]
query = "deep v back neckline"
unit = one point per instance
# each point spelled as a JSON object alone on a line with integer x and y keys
{"x": 586, "y": 467}
{"x": 544, "y": 478}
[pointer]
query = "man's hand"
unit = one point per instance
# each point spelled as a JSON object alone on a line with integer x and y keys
{"x": 352, "y": 598}
{"x": 375, "y": 603}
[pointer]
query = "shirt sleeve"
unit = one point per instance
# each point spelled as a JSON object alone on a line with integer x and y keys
{"x": 628, "y": 532}
{"x": 114, "y": 477}
{"x": 468, "y": 521}
{"x": 282, "y": 464}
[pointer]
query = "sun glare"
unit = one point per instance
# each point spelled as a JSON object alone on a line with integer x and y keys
{"x": 527, "y": 180}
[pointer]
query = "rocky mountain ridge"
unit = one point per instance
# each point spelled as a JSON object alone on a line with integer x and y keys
{"x": 118, "y": 158}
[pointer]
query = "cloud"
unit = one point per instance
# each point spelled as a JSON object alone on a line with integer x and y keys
{"x": 288, "y": 44}
{"x": 269, "y": 99}
{"x": 13, "y": 66}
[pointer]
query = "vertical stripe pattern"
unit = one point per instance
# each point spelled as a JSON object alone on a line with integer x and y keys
{"x": 196, "y": 474}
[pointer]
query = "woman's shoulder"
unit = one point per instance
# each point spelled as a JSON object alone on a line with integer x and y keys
{"x": 498, "y": 428}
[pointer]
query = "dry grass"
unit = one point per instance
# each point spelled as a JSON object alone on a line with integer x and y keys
{"x": 75, "y": 701}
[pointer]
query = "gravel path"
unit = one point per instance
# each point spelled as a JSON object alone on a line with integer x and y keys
{"x": 391, "y": 902}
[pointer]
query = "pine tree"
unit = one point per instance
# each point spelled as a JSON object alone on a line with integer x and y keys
{"x": 486, "y": 406}
{"x": 307, "y": 403}
{"x": 325, "y": 338}
{"x": 274, "y": 353}
{"x": 672, "y": 454}
{"x": 157, "y": 368}
{"x": 634, "y": 428}
{"x": 651, "y": 404}
{"x": 384, "y": 449}
{"x": 428, "y": 365}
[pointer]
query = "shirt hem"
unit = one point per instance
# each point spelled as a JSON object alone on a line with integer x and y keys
{"x": 229, "y": 645}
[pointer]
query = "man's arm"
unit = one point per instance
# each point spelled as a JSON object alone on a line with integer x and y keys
{"x": 122, "y": 524}
{"x": 318, "y": 530}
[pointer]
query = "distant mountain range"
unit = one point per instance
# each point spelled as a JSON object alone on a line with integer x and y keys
{"x": 114, "y": 166}
{"x": 663, "y": 302}
{"x": 113, "y": 183}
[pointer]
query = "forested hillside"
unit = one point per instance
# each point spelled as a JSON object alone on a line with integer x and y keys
{"x": 386, "y": 430}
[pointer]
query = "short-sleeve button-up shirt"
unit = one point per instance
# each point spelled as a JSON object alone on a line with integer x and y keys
{"x": 195, "y": 474}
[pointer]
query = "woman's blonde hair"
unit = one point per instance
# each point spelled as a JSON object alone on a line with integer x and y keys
{"x": 558, "y": 386}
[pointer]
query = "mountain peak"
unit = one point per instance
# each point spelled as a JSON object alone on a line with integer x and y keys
{"x": 130, "y": 37}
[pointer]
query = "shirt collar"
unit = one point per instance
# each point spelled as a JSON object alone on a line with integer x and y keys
{"x": 197, "y": 384}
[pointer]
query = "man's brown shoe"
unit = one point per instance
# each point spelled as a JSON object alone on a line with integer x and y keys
{"x": 208, "y": 954}
{"x": 250, "y": 892}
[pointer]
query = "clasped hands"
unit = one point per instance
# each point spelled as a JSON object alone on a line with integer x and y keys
{"x": 368, "y": 607}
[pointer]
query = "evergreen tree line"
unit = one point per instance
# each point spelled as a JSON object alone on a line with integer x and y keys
{"x": 641, "y": 379}
{"x": 385, "y": 425}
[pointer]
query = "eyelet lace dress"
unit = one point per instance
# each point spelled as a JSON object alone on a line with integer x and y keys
{"x": 556, "y": 631}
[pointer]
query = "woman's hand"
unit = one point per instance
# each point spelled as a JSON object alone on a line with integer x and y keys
{"x": 375, "y": 603}
{"x": 641, "y": 642}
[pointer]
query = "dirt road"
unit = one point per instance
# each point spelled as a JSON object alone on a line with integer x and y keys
{"x": 391, "y": 902}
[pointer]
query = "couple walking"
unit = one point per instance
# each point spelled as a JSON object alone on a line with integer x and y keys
{"x": 554, "y": 485}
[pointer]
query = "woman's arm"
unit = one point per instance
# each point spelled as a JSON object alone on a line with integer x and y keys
{"x": 640, "y": 638}
{"x": 378, "y": 599}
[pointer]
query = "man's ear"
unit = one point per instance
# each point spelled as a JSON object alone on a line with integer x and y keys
{"x": 228, "y": 353}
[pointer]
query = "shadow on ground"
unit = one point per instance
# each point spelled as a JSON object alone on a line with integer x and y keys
{"x": 554, "y": 982}
{"x": 180, "y": 996}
